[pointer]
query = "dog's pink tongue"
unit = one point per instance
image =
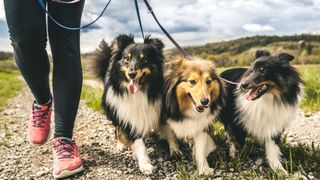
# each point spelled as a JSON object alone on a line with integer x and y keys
{"x": 249, "y": 95}
{"x": 133, "y": 86}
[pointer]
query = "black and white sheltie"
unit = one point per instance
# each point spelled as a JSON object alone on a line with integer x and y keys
{"x": 263, "y": 103}
{"x": 132, "y": 99}
{"x": 194, "y": 97}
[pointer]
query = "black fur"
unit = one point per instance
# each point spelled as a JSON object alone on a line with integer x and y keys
{"x": 107, "y": 67}
{"x": 265, "y": 68}
{"x": 100, "y": 66}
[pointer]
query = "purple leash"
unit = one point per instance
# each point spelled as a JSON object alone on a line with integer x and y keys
{"x": 230, "y": 82}
{"x": 185, "y": 53}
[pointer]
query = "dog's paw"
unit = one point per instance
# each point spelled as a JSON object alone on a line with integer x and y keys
{"x": 146, "y": 168}
{"x": 233, "y": 151}
{"x": 206, "y": 171}
{"x": 278, "y": 168}
{"x": 175, "y": 153}
{"x": 282, "y": 172}
{"x": 121, "y": 147}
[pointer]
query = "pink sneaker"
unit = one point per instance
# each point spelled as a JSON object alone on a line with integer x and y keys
{"x": 39, "y": 123}
{"x": 66, "y": 159}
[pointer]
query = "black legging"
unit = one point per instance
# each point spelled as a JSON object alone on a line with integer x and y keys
{"x": 27, "y": 28}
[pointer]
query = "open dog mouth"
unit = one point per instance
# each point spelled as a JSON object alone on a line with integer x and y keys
{"x": 198, "y": 108}
{"x": 256, "y": 92}
{"x": 133, "y": 86}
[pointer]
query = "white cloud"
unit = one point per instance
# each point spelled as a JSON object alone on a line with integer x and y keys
{"x": 193, "y": 22}
{"x": 2, "y": 15}
{"x": 257, "y": 28}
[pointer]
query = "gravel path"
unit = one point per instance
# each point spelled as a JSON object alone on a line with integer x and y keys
{"x": 95, "y": 138}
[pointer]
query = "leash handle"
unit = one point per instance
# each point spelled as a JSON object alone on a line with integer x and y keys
{"x": 43, "y": 6}
{"x": 139, "y": 18}
{"x": 185, "y": 53}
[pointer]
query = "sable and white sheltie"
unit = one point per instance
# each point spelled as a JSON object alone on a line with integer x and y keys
{"x": 132, "y": 99}
{"x": 194, "y": 96}
{"x": 263, "y": 103}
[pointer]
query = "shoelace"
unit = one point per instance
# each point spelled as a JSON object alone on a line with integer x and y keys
{"x": 39, "y": 117}
{"x": 64, "y": 149}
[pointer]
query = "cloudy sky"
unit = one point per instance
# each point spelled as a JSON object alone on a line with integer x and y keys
{"x": 194, "y": 22}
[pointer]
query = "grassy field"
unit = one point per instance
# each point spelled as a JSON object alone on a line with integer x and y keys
{"x": 92, "y": 96}
{"x": 311, "y": 76}
{"x": 9, "y": 85}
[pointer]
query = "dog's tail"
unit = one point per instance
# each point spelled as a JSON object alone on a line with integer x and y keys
{"x": 101, "y": 61}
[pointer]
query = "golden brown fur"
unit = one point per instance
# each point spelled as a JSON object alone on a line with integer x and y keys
{"x": 178, "y": 77}
{"x": 194, "y": 97}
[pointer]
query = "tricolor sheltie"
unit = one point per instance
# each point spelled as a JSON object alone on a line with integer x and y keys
{"x": 263, "y": 103}
{"x": 133, "y": 80}
{"x": 193, "y": 97}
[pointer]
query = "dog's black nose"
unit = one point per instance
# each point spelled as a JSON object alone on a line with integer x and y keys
{"x": 132, "y": 74}
{"x": 204, "y": 101}
{"x": 244, "y": 85}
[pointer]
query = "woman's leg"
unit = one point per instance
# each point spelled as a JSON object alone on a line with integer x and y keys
{"x": 67, "y": 83}
{"x": 27, "y": 28}
{"x": 67, "y": 71}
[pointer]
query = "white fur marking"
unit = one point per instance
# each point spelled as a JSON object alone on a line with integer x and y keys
{"x": 134, "y": 109}
{"x": 193, "y": 124}
{"x": 264, "y": 118}
{"x": 202, "y": 147}
{"x": 273, "y": 155}
{"x": 140, "y": 154}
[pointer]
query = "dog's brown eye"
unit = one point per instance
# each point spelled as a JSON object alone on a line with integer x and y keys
{"x": 208, "y": 82}
{"x": 193, "y": 82}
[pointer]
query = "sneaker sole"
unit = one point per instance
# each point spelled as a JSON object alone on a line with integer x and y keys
{"x": 67, "y": 173}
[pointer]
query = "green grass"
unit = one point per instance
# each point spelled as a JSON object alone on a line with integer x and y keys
{"x": 9, "y": 85}
{"x": 298, "y": 160}
{"x": 92, "y": 96}
{"x": 311, "y": 76}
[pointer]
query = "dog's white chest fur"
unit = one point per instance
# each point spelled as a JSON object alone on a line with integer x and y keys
{"x": 135, "y": 109}
{"x": 193, "y": 124}
{"x": 264, "y": 118}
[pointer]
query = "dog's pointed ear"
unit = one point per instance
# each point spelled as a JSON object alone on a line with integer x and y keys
{"x": 121, "y": 42}
{"x": 260, "y": 53}
{"x": 285, "y": 57}
{"x": 154, "y": 42}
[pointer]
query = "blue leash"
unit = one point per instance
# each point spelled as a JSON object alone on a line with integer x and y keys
{"x": 43, "y": 6}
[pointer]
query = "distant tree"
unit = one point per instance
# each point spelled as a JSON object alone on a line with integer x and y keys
{"x": 5, "y": 55}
